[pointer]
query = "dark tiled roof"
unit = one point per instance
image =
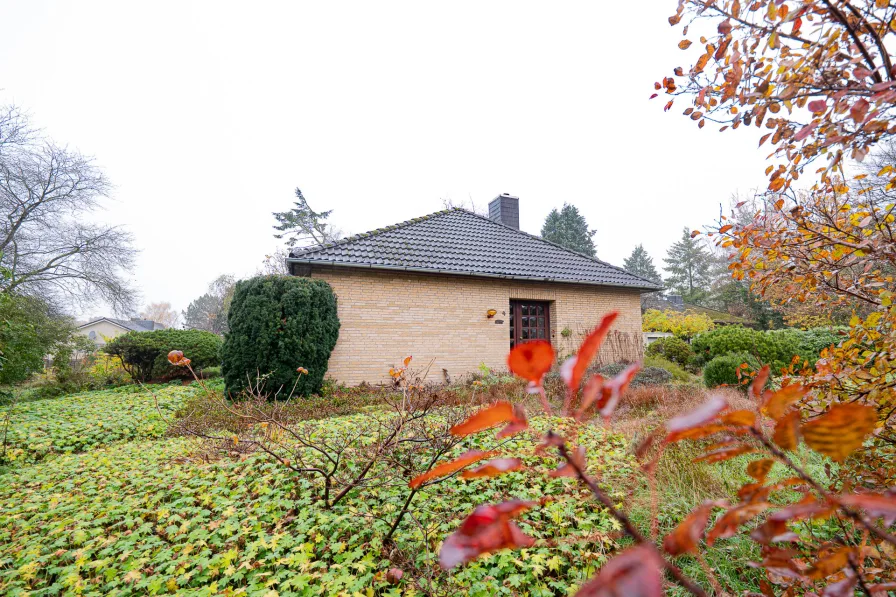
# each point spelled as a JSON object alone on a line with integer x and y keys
{"x": 457, "y": 241}
{"x": 131, "y": 325}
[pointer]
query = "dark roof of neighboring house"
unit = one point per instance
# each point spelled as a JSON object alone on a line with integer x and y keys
{"x": 130, "y": 325}
{"x": 457, "y": 241}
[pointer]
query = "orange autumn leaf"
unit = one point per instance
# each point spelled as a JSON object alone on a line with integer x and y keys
{"x": 877, "y": 505}
{"x": 786, "y": 433}
{"x": 725, "y": 454}
{"x": 452, "y": 466}
{"x": 500, "y": 412}
{"x": 840, "y": 431}
{"x": 773, "y": 531}
{"x": 759, "y": 469}
{"x": 574, "y": 368}
{"x": 760, "y": 380}
{"x": 701, "y": 415}
{"x": 685, "y": 537}
{"x": 684, "y": 44}
{"x": 741, "y": 418}
{"x": 493, "y": 468}
{"x": 777, "y": 403}
{"x": 697, "y": 432}
{"x": 830, "y": 562}
{"x": 732, "y": 520}
{"x": 531, "y": 360}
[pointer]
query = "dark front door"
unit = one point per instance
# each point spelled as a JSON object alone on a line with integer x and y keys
{"x": 529, "y": 320}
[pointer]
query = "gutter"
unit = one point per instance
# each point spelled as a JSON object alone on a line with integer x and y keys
{"x": 464, "y": 273}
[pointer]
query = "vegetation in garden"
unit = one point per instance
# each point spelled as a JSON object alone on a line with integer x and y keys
{"x": 568, "y": 228}
{"x": 145, "y": 354}
{"x": 683, "y": 324}
{"x": 279, "y": 323}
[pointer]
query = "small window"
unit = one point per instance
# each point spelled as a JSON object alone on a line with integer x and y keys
{"x": 92, "y": 335}
{"x": 529, "y": 320}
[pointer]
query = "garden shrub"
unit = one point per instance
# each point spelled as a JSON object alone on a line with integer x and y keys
{"x": 647, "y": 376}
{"x": 773, "y": 347}
{"x": 144, "y": 355}
{"x": 678, "y": 373}
{"x": 722, "y": 370}
{"x": 673, "y": 349}
{"x": 278, "y": 324}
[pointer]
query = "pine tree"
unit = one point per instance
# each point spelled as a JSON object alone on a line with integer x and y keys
{"x": 302, "y": 227}
{"x": 641, "y": 264}
{"x": 689, "y": 268}
{"x": 569, "y": 229}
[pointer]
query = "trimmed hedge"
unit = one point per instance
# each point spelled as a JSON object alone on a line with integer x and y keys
{"x": 144, "y": 355}
{"x": 278, "y": 324}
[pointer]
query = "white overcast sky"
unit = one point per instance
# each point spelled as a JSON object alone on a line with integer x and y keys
{"x": 206, "y": 116}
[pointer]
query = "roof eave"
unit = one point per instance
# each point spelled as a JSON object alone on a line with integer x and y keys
{"x": 427, "y": 270}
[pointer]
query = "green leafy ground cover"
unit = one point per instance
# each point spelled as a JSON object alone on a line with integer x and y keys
{"x": 139, "y": 517}
{"x": 83, "y": 421}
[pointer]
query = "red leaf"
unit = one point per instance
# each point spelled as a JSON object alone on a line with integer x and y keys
{"x": 488, "y": 528}
{"x": 446, "y": 468}
{"x": 636, "y": 572}
{"x": 500, "y": 412}
{"x": 517, "y": 424}
{"x": 725, "y": 454}
{"x": 574, "y": 368}
{"x": 773, "y": 531}
{"x": 877, "y": 505}
{"x": 493, "y": 468}
{"x": 705, "y": 413}
{"x": 531, "y": 360}
{"x": 859, "y": 110}
{"x": 606, "y": 393}
{"x": 818, "y": 106}
{"x": 394, "y": 575}
{"x": 804, "y": 132}
{"x": 808, "y": 507}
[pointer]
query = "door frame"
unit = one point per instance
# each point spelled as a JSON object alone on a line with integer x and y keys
{"x": 516, "y": 319}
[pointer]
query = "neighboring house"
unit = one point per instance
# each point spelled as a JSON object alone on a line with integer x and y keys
{"x": 105, "y": 328}
{"x": 456, "y": 289}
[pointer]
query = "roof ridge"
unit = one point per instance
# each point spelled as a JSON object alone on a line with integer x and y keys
{"x": 567, "y": 249}
{"x": 375, "y": 232}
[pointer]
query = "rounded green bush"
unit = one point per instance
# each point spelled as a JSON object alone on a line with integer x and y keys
{"x": 673, "y": 349}
{"x": 278, "y": 324}
{"x": 722, "y": 370}
{"x": 145, "y": 354}
{"x": 647, "y": 376}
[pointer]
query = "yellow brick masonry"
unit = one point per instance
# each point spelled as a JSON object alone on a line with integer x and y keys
{"x": 386, "y": 316}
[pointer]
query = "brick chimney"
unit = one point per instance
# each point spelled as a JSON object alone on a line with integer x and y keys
{"x": 505, "y": 209}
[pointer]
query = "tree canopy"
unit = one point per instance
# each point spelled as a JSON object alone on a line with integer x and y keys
{"x": 302, "y": 227}
{"x": 209, "y": 311}
{"x": 640, "y": 263}
{"x": 568, "y": 228}
{"x": 689, "y": 268}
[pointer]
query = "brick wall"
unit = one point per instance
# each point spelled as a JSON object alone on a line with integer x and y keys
{"x": 386, "y": 316}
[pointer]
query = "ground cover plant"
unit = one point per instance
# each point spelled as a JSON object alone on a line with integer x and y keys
{"x": 39, "y": 428}
{"x": 147, "y": 518}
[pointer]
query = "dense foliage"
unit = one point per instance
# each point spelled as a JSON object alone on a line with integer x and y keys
{"x": 29, "y": 332}
{"x": 683, "y": 324}
{"x": 84, "y": 421}
{"x": 277, "y": 325}
{"x": 689, "y": 268}
{"x": 723, "y": 369}
{"x": 672, "y": 348}
{"x": 641, "y": 264}
{"x": 776, "y": 348}
{"x": 145, "y": 354}
{"x": 568, "y": 228}
{"x": 145, "y": 518}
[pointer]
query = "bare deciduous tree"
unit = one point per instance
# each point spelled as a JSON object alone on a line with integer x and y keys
{"x": 46, "y": 193}
{"x": 161, "y": 313}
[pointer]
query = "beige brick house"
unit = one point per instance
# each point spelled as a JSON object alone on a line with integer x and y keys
{"x": 458, "y": 289}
